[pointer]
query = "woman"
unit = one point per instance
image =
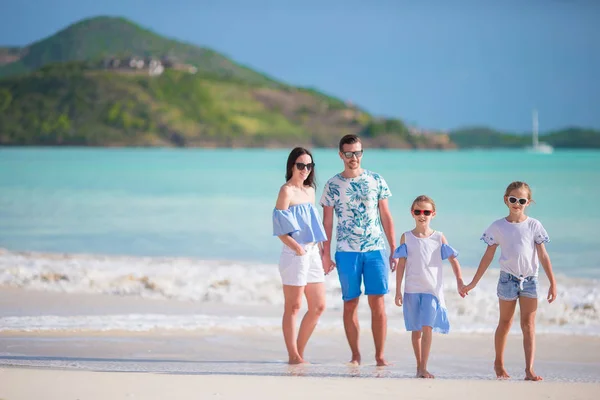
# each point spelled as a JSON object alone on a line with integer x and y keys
{"x": 297, "y": 223}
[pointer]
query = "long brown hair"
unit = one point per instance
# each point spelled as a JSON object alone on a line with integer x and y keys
{"x": 291, "y": 161}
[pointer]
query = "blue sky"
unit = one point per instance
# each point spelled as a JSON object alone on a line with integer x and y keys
{"x": 434, "y": 63}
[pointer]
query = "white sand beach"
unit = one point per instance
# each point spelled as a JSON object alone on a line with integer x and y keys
{"x": 58, "y": 384}
{"x": 91, "y": 327}
{"x": 228, "y": 361}
{"x": 83, "y": 385}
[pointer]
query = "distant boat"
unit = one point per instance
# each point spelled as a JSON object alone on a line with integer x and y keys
{"x": 536, "y": 145}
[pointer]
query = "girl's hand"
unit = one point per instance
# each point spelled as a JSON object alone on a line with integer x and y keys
{"x": 461, "y": 289}
{"x": 468, "y": 288}
{"x": 552, "y": 293}
{"x": 300, "y": 251}
{"x": 399, "y": 299}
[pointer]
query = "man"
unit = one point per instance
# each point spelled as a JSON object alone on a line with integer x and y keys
{"x": 359, "y": 199}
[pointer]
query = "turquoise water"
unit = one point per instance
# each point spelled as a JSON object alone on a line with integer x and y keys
{"x": 217, "y": 204}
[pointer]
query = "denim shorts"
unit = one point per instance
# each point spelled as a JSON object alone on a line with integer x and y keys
{"x": 510, "y": 287}
{"x": 354, "y": 267}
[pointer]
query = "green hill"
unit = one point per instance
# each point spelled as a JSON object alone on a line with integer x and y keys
{"x": 79, "y": 87}
{"x": 79, "y": 104}
{"x": 65, "y": 90}
{"x": 482, "y": 137}
{"x": 95, "y": 38}
{"x": 574, "y": 138}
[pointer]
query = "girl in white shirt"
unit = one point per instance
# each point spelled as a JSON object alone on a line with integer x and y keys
{"x": 521, "y": 239}
{"x": 420, "y": 255}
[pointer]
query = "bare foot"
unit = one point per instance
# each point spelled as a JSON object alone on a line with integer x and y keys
{"x": 296, "y": 360}
{"x": 424, "y": 374}
{"x": 501, "y": 372}
{"x": 531, "y": 376}
{"x": 382, "y": 363}
{"x": 355, "y": 361}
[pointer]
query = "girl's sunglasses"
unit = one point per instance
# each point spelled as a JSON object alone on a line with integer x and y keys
{"x": 426, "y": 213}
{"x": 513, "y": 200}
{"x": 308, "y": 166}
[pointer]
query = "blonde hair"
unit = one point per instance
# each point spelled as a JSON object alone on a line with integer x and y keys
{"x": 423, "y": 199}
{"x": 518, "y": 185}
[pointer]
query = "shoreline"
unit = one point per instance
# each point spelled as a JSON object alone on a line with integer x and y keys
{"x": 461, "y": 357}
{"x": 36, "y": 311}
{"x": 202, "y": 363}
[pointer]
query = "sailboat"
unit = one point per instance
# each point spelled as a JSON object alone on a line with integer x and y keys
{"x": 536, "y": 145}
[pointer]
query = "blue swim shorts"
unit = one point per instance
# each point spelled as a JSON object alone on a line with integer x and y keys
{"x": 510, "y": 287}
{"x": 354, "y": 267}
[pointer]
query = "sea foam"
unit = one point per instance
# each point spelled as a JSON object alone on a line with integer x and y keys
{"x": 576, "y": 310}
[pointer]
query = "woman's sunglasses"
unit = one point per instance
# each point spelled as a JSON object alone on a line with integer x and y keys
{"x": 513, "y": 200}
{"x": 349, "y": 154}
{"x": 308, "y": 166}
{"x": 426, "y": 213}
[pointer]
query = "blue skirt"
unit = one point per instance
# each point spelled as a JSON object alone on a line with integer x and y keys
{"x": 423, "y": 309}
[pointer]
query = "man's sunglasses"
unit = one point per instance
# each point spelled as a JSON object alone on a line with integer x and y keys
{"x": 308, "y": 166}
{"x": 513, "y": 200}
{"x": 349, "y": 154}
{"x": 426, "y": 213}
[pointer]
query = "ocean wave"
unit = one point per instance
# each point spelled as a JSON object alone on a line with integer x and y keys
{"x": 577, "y": 308}
{"x": 211, "y": 324}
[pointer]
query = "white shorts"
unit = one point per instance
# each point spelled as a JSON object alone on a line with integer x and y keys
{"x": 298, "y": 270}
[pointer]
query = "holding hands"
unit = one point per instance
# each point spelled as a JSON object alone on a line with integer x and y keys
{"x": 328, "y": 263}
{"x": 464, "y": 291}
{"x": 460, "y": 286}
{"x": 393, "y": 262}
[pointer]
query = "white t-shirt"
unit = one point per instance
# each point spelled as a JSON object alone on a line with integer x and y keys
{"x": 517, "y": 244}
{"x": 356, "y": 205}
{"x": 424, "y": 271}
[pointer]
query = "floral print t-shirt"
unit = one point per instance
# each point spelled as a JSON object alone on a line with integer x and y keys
{"x": 356, "y": 205}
